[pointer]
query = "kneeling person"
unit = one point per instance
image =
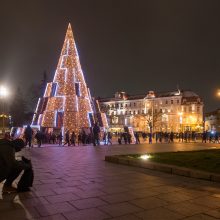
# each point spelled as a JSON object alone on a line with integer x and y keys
{"x": 10, "y": 168}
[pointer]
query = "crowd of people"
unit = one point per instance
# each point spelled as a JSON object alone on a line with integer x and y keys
{"x": 95, "y": 136}
{"x": 68, "y": 139}
{"x": 168, "y": 137}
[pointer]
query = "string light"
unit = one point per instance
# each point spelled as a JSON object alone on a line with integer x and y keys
{"x": 75, "y": 106}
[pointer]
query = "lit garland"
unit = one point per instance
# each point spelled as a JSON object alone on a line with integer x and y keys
{"x": 74, "y": 107}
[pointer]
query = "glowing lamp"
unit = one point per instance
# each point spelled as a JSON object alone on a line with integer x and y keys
{"x": 145, "y": 157}
{"x": 3, "y": 91}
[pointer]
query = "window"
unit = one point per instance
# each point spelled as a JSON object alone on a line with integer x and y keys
{"x": 155, "y": 111}
{"x": 134, "y": 112}
{"x": 134, "y": 104}
{"x": 77, "y": 88}
{"x": 198, "y": 109}
{"x": 138, "y": 111}
{"x": 177, "y": 101}
{"x": 166, "y": 102}
{"x": 126, "y": 105}
{"x": 190, "y": 108}
{"x": 143, "y": 111}
{"x": 130, "y": 112}
{"x": 171, "y": 102}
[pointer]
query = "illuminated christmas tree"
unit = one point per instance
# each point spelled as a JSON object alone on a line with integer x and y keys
{"x": 66, "y": 103}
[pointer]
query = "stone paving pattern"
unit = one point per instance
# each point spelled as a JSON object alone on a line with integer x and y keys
{"x": 76, "y": 183}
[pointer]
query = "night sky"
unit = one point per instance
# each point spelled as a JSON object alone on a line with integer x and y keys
{"x": 124, "y": 45}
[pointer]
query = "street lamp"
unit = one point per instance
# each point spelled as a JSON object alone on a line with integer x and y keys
{"x": 3, "y": 95}
{"x": 218, "y": 93}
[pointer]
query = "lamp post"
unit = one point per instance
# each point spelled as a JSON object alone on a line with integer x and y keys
{"x": 3, "y": 95}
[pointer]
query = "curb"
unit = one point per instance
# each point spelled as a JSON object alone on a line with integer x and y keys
{"x": 164, "y": 168}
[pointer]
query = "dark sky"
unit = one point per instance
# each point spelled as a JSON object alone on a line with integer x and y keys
{"x": 130, "y": 45}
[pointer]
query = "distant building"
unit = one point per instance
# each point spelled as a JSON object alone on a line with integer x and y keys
{"x": 212, "y": 121}
{"x": 170, "y": 111}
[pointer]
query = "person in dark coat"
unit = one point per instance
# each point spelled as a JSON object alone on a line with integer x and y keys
{"x": 109, "y": 138}
{"x": 28, "y": 135}
{"x": 60, "y": 138}
{"x": 79, "y": 138}
{"x": 96, "y": 132}
{"x": 67, "y": 138}
{"x": 137, "y": 138}
{"x": 204, "y": 136}
{"x": 12, "y": 167}
{"x": 39, "y": 137}
{"x": 73, "y": 139}
{"x": 129, "y": 138}
{"x": 171, "y": 137}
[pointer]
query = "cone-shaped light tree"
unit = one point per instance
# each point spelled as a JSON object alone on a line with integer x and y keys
{"x": 66, "y": 103}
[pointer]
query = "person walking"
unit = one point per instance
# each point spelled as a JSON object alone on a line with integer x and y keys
{"x": 39, "y": 138}
{"x": 96, "y": 132}
{"x": 73, "y": 139}
{"x": 150, "y": 138}
{"x": 28, "y": 136}
{"x": 60, "y": 138}
{"x": 109, "y": 138}
{"x": 67, "y": 138}
{"x": 79, "y": 138}
{"x": 137, "y": 138}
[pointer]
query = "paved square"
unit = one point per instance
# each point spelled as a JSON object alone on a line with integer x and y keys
{"x": 76, "y": 183}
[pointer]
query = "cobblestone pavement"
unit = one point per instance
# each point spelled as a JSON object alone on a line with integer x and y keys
{"x": 76, "y": 183}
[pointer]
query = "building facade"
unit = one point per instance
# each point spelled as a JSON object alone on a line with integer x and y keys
{"x": 162, "y": 112}
{"x": 212, "y": 121}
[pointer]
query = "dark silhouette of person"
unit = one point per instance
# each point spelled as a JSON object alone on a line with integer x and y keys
{"x": 67, "y": 138}
{"x": 109, "y": 138}
{"x": 137, "y": 138}
{"x": 28, "y": 135}
{"x": 96, "y": 132}
{"x": 13, "y": 167}
{"x": 60, "y": 138}
{"x": 39, "y": 137}
{"x": 73, "y": 138}
{"x": 79, "y": 138}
